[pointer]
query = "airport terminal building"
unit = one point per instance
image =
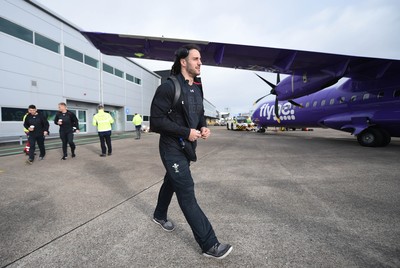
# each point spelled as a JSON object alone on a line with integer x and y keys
{"x": 44, "y": 60}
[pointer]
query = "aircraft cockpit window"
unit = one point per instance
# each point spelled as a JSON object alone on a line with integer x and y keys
{"x": 380, "y": 94}
{"x": 366, "y": 96}
{"x": 353, "y": 98}
{"x": 332, "y": 101}
{"x": 396, "y": 93}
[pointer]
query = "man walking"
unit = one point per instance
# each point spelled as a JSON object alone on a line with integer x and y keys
{"x": 137, "y": 121}
{"x": 179, "y": 128}
{"x": 103, "y": 121}
{"x": 38, "y": 127}
{"x": 68, "y": 125}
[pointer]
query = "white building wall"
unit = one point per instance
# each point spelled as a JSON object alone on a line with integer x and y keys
{"x": 30, "y": 74}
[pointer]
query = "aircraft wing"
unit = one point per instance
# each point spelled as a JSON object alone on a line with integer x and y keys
{"x": 285, "y": 61}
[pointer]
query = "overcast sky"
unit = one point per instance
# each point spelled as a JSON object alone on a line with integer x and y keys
{"x": 360, "y": 27}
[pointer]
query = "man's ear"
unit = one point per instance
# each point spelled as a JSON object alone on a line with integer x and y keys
{"x": 183, "y": 62}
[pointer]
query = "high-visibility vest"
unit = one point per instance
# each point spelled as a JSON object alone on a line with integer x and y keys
{"x": 103, "y": 121}
{"x": 23, "y": 120}
{"x": 137, "y": 120}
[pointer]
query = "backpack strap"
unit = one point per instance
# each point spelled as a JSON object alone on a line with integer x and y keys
{"x": 177, "y": 89}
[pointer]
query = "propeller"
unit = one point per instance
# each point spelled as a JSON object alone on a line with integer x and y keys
{"x": 272, "y": 92}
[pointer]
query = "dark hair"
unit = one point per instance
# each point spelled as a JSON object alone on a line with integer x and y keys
{"x": 32, "y": 106}
{"x": 100, "y": 106}
{"x": 182, "y": 53}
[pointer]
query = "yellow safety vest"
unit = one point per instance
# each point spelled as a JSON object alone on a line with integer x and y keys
{"x": 103, "y": 121}
{"x": 23, "y": 120}
{"x": 137, "y": 120}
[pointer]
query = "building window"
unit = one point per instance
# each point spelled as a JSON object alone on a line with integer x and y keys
{"x": 91, "y": 61}
{"x": 119, "y": 73}
{"x": 73, "y": 54}
{"x": 47, "y": 43}
{"x": 130, "y": 77}
{"x": 145, "y": 118}
{"x": 138, "y": 81}
{"x": 17, "y": 114}
{"x": 107, "y": 68}
{"x": 15, "y": 30}
{"x": 129, "y": 117}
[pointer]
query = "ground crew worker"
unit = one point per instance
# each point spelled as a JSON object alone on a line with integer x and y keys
{"x": 103, "y": 121}
{"x": 26, "y": 131}
{"x": 137, "y": 121}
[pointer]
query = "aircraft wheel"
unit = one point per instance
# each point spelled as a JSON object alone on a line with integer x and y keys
{"x": 371, "y": 137}
{"x": 262, "y": 130}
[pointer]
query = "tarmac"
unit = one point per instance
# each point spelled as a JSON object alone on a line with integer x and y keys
{"x": 282, "y": 199}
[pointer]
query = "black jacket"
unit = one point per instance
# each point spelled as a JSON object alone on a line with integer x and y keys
{"x": 173, "y": 122}
{"x": 41, "y": 124}
{"x": 69, "y": 121}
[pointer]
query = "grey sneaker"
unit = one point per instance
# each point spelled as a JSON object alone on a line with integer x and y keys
{"x": 165, "y": 224}
{"x": 218, "y": 251}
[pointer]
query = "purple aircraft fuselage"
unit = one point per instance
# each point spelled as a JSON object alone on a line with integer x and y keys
{"x": 369, "y": 110}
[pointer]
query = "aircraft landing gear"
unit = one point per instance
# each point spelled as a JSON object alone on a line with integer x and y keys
{"x": 374, "y": 137}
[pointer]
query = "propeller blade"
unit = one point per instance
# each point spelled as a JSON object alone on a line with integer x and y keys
{"x": 278, "y": 79}
{"x": 266, "y": 81}
{"x": 295, "y": 103}
{"x": 277, "y": 111}
{"x": 261, "y": 99}
{"x": 292, "y": 83}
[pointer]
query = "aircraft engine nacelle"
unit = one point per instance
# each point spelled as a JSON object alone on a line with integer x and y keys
{"x": 296, "y": 86}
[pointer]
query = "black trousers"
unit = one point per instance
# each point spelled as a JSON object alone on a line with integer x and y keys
{"x": 105, "y": 138}
{"x": 138, "y": 129}
{"x": 67, "y": 138}
{"x": 178, "y": 179}
{"x": 40, "y": 142}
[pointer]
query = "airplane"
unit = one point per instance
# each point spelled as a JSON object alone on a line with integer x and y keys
{"x": 366, "y": 104}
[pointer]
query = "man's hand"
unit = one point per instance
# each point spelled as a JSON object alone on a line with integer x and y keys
{"x": 194, "y": 134}
{"x": 205, "y": 132}
{"x": 45, "y": 133}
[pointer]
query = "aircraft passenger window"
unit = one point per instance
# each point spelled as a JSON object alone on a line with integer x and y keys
{"x": 396, "y": 93}
{"x": 380, "y": 94}
{"x": 307, "y": 104}
{"x": 332, "y": 101}
{"x": 342, "y": 99}
{"x": 353, "y": 98}
{"x": 323, "y": 102}
{"x": 366, "y": 96}
{"x": 315, "y": 104}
